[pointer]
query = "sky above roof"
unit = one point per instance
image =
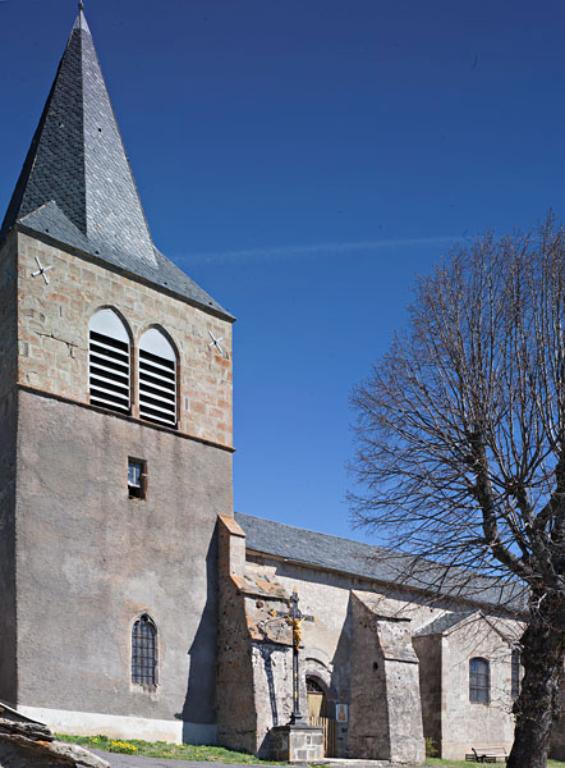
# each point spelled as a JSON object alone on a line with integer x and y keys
{"x": 303, "y": 162}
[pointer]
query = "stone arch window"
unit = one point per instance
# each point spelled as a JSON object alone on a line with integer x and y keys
{"x": 158, "y": 378}
{"x": 109, "y": 361}
{"x": 479, "y": 681}
{"x": 144, "y": 652}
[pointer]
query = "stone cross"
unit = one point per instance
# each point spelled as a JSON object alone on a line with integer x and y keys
{"x": 41, "y": 271}
{"x": 217, "y": 344}
{"x": 295, "y": 619}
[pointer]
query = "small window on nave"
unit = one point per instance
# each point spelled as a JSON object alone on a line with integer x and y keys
{"x": 158, "y": 372}
{"x": 479, "y": 681}
{"x": 109, "y": 362}
{"x": 144, "y": 652}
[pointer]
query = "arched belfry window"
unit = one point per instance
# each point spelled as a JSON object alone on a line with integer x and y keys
{"x": 144, "y": 652}
{"x": 479, "y": 681}
{"x": 157, "y": 378}
{"x": 109, "y": 359}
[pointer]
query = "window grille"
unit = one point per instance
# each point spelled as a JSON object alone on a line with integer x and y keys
{"x": 516, "y": 668}
{"x": 109, "y": 362}
{"x": 157, "y": 379}
{"x": 479, "y": 681}
{"x": 144, "y": 652}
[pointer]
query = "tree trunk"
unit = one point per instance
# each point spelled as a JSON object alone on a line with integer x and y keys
{"x": 543, "y": 652}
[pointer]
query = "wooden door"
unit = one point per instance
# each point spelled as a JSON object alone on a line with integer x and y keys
{"x": 318, "y": 716}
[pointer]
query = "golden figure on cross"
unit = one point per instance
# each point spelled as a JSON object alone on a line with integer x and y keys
{"x": 296, "y": 632}
{"x": 294, "y": 618}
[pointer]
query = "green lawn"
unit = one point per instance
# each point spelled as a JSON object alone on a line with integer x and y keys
{"x": 209, "y": 754}
{"x": 162, "y": 749}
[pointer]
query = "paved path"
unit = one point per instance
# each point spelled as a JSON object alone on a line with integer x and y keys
{"x": 129, "y": 761}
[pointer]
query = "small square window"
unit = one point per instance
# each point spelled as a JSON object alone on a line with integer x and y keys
{"x": 137, "y": 479}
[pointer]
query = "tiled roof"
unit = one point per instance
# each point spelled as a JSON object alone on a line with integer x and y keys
{"x": 319, "y": 550}
{"x": 76, "y": 185}
{"x": 444, "y": 623}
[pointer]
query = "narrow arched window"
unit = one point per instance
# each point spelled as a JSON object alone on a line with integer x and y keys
{"x": 157, "y": 378}
{"x": 516, "y": 668}
{"x": 479, "y": 681}
{"x": 109, "y": 358}
{"x": 144, "y": 652}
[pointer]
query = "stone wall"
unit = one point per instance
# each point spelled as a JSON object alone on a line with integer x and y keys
{"x": 53, "y": 335}
{"x": 91, "y": 560}
{"x": 272, "y": 688}
{"x": 255, "y": 652}
{"x": 385, "y": 712}
{"x": 466, "y": 724}
{"x": 237, "y": 716}
{"x": 255, "y": 661}
{"x": 8, "y": 436}
{"x": 329, "y": 640}
{"x": 8, "y": 317}
{"x": 327, "y": 653}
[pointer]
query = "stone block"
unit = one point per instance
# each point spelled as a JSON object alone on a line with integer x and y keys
{"x": 296, "y": 744}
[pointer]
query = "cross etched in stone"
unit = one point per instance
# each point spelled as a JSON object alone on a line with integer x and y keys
{"x": 217, "y": 344}
{"x": 42, "y": 271}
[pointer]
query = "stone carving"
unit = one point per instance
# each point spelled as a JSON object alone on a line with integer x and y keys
{"x": 25, "y": 743}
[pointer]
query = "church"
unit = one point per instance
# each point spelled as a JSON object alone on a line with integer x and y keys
{"x": 134, "y": 602}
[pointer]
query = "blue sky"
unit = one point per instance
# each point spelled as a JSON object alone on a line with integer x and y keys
{"x": 304, "y": 161}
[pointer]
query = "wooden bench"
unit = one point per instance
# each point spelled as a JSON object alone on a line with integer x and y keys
{"x": 487, "y": 755}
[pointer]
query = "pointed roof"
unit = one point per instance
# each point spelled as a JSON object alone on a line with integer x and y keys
{"x": 76, "y": 185}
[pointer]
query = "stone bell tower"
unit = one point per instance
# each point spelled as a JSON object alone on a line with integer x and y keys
{"x": 116, "y": 440}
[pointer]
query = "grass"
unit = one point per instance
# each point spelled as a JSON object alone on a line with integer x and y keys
{"x": 163, "y": 749}
{"x": 211, "y": 754}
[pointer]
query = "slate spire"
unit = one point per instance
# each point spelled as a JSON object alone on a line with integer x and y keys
{"x": 77, "y": 159}
{"x": 77, "y": 186}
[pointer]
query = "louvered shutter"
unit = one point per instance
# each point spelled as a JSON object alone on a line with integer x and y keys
{"x": 157, "y": 379}
{"x": 109, "y": 362}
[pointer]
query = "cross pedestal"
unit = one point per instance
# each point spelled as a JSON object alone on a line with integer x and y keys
{"x": 297, "y": 743}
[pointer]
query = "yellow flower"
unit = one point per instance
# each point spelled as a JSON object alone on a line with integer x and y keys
{"x": 123, "y": 747}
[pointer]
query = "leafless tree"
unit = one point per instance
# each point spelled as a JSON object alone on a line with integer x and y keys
{"x": 461, "y": 445}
